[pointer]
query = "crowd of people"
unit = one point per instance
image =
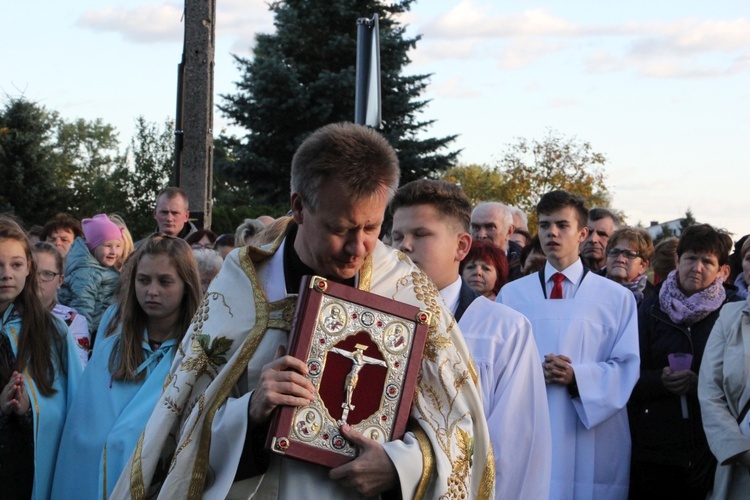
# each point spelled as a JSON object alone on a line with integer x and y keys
{"x": 579, "y": 362}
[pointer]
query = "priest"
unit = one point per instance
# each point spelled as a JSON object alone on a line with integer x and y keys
{"x": 206, "y": 435}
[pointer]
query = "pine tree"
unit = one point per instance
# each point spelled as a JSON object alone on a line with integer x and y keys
{"x": 303, "y": 76}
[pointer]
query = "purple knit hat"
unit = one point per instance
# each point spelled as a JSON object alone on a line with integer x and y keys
{"x": 99, "y": 229}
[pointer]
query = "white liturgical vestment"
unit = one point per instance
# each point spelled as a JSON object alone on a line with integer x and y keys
{"x": 597, "y": 329}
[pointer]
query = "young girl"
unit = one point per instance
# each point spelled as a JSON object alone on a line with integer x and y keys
{"x": 38, "y": 373}
{"x": 131, "y": 361}
{"x": 90, "y": 273}
{"x": 49, "y": 263}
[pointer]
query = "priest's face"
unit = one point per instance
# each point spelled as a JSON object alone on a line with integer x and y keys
{"x": 335, "y": 239}
{"x": 433, "y": 241}
{"x": 561, "y": 236}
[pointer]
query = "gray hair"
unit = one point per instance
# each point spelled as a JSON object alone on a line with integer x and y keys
{"x": 515, "y": 211}
{"x": 599, "y": 213}
{"x": 251, "y": 227}
{"x": 208, "y": 260}
{"x": 506, "y": 213}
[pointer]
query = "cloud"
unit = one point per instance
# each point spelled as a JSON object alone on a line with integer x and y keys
{"x": 456, "y": 87}
{"x": 679, "y": 48}
{"x": 526, "y": 51}
{"x": 142, "y": 24}
{"x": 163, "y": 22}
{"x": 467, "y": 19}
{"x": 562, "y": 102}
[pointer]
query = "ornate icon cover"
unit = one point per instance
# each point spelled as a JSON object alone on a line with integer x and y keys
{"x": 363, "y": 354}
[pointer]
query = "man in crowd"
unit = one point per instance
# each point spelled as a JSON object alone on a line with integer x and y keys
{"x": 207, "y": 432}
{"x": 586, "y": 328}
{"x": 602, "y": 222}
{"x": 431, "y": 226}
{"x": 172, "y": 213}
{"x": 492, "y": 221}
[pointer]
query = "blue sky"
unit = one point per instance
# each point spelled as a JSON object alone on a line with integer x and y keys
{"x": 661, "y": 88}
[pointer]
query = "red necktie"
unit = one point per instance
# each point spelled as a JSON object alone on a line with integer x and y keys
{"x": 557, "y": 288}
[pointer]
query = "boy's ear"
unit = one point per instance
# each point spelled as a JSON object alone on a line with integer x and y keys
{"x": 463, "y": 247}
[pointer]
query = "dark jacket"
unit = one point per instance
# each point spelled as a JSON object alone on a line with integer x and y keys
{"x": 659, "y": 432}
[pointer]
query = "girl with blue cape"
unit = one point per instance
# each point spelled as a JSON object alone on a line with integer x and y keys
{"x": 39, "y": 371}
{"x": 124, "y": 378}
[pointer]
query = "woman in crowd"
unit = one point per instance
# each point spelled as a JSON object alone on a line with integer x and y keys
{"x": 741, "y": 267}
{"x": 127, "y": 371}
{"x": 664, "y": 259}
{"x": 485, "y": 269}
{"x": 209, "y": 264}
{"x": 670, "y": 453}
{"x": 629, "y": 251}
{"x": 61, "y": 232}
{"x": 224, "y": 244}
{"x": 90, "y": 273}
{"x": 39, "y": 372}
{"x": 724, "y": 393}
{"x": 202, "y": 238}
{"x": 247, "y": 231}
{"x": 50, "y": 273}
{"x": 532, "y": 257}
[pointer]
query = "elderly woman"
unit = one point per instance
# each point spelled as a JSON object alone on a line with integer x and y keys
{"x": 669, "y": 445}
{"x": 209, "y": 264}
{"x": 724, "y": 393}
{"x": 485, "y": 268}
{"x": 629, "y": 251}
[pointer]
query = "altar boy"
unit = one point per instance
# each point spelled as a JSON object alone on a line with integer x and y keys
{"x": 586, "y": 327}
{"x": 431, "y": 225}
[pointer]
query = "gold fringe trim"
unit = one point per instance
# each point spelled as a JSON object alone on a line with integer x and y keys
{"x": 247, "y": 351}
{"x": 487, "y": 484}
{"x": 365, "y": 274}
{"x": 428, "y": 461}
{"x": 137, "y": 487}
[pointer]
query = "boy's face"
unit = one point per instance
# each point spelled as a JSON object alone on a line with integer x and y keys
{"x": 560, "y": 236}
{"x": 431, "y": 240}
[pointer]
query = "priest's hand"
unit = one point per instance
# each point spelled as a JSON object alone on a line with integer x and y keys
{"x": 680, "y": 382}
{"x": 14, "y": 398}
{"x": 282, "y": 382}
{"x": 558, "y": 370}
{"x": 372, "y": 472}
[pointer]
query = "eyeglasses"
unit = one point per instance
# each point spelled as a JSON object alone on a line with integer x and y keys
{"x": 616, "y": 252}
{"x": 198, "y": 246}
{"x": 47, "y": 276}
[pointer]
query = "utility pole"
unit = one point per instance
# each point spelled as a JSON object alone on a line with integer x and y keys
{"x": 194, "y": 121}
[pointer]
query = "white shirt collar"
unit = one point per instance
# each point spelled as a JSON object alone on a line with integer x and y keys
{"x": 573, "y": 272}
{"x": 451, "y": 293}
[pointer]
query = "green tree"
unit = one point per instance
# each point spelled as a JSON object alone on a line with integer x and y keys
{"x": 687, "y": 221}
{"x": 27, "y": 162}
{"x": 530, "y": 168}
{"x": 303, "y": 76}
{"x": 146, "y": 170}
{"x": 88, "y": 155}
{"x": 479, "y": 182}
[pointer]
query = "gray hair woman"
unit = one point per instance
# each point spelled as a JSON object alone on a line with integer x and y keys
{"x": 209, "y": 263}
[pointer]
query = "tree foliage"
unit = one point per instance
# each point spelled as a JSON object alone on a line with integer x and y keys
{"x": 303, "y": 76}
{"x": 533, "y": 167}
{"x": 51, "y": 165}
{"x": 30, "y": 186}
{"x": 479, "y": 182}
{"x": 529, "y": 168}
